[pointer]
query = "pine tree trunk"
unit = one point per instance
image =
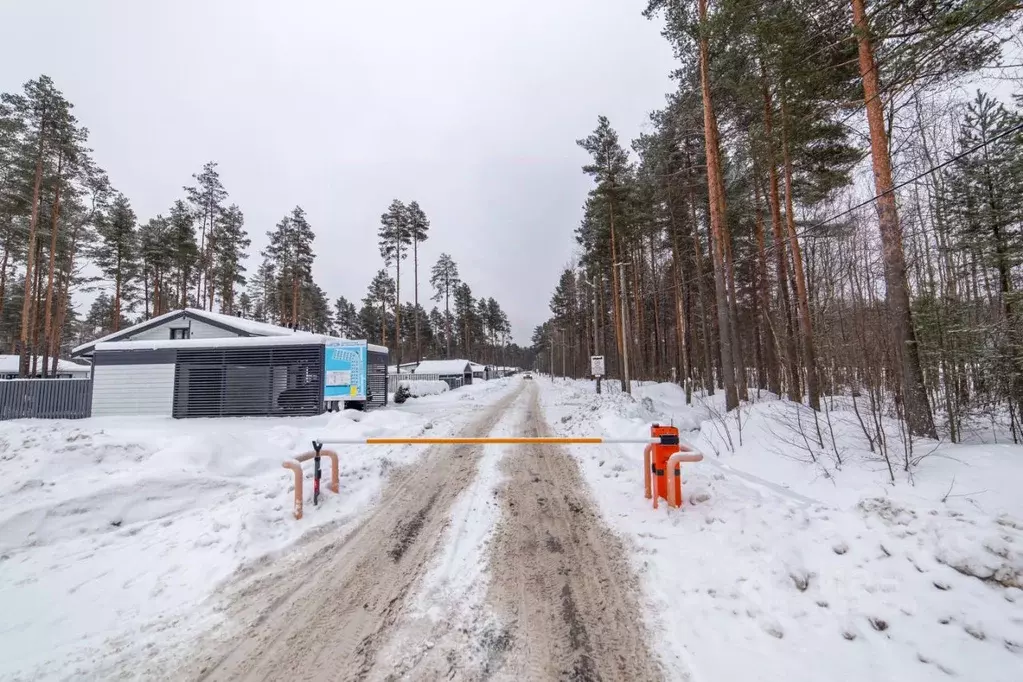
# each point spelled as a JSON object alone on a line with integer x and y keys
{"x": 397, "y": 297}
{"x": 771, "y": 349}
{"x": 26, "y": 305}
{"x": 717, "y": 218}
{"x": 37, "y": 305}
{"x": 117, "y": 296}
{"x": 792, "y": 357}
{"x": 616, "y": 301}
{"x": 200, "y": 297}
{"x": 447, "y": 317}
{"x": 53, "y": 261}
{"x": 917, "y": 407}
{"x": 809, "y": 354}
{"x": 637, "y": 314}
{"x": 656, "y": 356}
{"x": 3, "y": 274}
{"x": 64, "y": 298}
{"x": 415, "y": 275}
{"x": 145, "y": 289}
{"x": 211, "y": 283}
{"x": 294, "y": 301}
{"x": 733, "y": 315}
{"x": 701, "y": 290}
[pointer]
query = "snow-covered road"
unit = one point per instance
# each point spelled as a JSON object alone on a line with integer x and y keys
{"x": 165, "y": 551}
{"x": 556, "y": 599}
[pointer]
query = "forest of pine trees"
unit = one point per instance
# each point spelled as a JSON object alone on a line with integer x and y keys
{"x": 65, "y": 229}
{"x": 816, "y": 211}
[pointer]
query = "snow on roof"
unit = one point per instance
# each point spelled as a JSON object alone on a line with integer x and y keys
{"x": 443, "y": 367}
{"x": 242, "y": 325}
{"x": 9, "y": 364}
{"x": 298, "y": 339}
{"x": 247, "y": 326}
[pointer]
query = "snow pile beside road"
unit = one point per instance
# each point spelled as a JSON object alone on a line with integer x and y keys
{"x": 114, "y": 531}
{"x": 782, "y": 568}
{"x": 425, "y": 387}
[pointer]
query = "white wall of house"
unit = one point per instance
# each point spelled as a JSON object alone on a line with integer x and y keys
{"x": 199, "y": 330}
{"x": 133, "y": 390}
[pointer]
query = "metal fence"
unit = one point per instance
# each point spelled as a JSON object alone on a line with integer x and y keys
{"x": 45, "y": 398}
{"x": 394, "y": 379}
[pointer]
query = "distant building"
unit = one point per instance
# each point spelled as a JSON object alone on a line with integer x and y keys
{"x": 455, "y": 372}
{"x": 9, "y": 366}
{"x": 403, "y": 368}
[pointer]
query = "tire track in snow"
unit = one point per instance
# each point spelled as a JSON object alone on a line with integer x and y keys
{"x": 561, "y": 584}
{"x": 325, "y": 616}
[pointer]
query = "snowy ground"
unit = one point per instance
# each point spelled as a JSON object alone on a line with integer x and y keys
{"x": 790, "y": 561}
{"x": 113, "y": 532}
{"x": 782, "y": 568}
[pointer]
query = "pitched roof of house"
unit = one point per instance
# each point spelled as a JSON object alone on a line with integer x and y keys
{"x": 443, "y": 367}
{"x": 237, "y": 325}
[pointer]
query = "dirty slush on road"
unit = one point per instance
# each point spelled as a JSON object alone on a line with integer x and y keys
{"x": 561, "y": 601}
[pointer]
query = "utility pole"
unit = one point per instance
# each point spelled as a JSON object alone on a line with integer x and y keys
{"x": 626, "y": 384}
{"x": 551, "y": 363}
{"x": 596, "y": 336}
{"x": 563, "y": 372}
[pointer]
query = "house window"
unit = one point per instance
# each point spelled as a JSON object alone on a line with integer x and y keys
{"x": 179, "y": 334}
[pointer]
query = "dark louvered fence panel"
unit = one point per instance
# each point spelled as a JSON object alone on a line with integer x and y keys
{"x": 376, "y": 379}
{"x": 45, "y": 398}
{"x": 239, "y": 382}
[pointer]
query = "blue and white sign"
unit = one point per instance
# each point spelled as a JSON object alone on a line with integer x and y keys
{"x": 344, "y": 371}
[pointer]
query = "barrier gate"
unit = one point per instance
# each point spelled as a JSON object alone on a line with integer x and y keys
{"x": 663, "y": 456}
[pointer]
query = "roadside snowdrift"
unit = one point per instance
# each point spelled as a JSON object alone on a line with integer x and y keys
{"x": 782, "y": 568}
{"x": 113, "y": 532}
{"x": 425, "y": 387}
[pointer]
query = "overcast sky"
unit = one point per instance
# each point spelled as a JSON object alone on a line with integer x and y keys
{"x": 471, "y": 108}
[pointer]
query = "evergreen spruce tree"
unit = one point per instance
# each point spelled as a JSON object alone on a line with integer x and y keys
{"x": 346, "y": 319}
{"x": 419, "y": 226}
{"x": 207, "y": 198}
{"x": 466, "y": 319}
{"x": 231, "y": 242}
{"x": 290, "y": 254}
{"x": 245, "y": 307}
{"x": 183, "y": 252}
{"x": 117, "y": 255}
{"x": 380, "y": 297}
{"x": 154, "y": 237}
{"x": 444, "y": 280}
{"x": 611, "y": 171}
{"x": 395, "y": 237}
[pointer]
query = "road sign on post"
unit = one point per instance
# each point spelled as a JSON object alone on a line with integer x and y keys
{"x": 597, "y": 368}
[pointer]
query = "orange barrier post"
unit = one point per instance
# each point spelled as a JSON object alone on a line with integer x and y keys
{"x": 295, "y": 465}
{"x": 297, "y": 468}
{"x": 662, "y": 465}
{"x": 675, "y": 474}
{"x": 667, "y": 446}
{"x": 646, "y": 470}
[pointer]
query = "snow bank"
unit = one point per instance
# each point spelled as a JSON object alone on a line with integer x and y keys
{"x": 425, "y": 387}
{"x": 783, "y": 568}
{"x": 114, "y": 531}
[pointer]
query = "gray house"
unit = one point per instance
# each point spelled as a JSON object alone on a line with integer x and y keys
{"x": 195, "y": 363}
